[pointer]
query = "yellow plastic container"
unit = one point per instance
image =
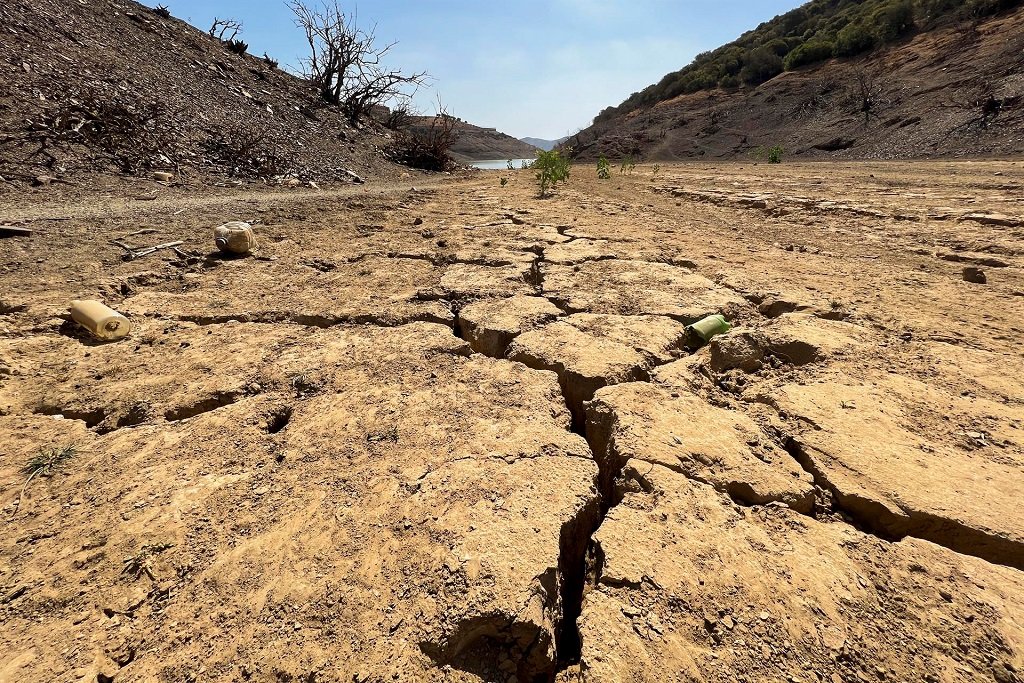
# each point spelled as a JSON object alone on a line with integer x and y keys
{"x": 102, "y": 321}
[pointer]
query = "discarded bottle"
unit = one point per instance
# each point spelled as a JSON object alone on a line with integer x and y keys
{"x": 710, "y": 326}
{"x": 235, "y": 237}
{"x": 102, "y": 322}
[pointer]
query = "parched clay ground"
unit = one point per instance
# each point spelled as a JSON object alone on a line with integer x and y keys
{"x": 457, "y": 433}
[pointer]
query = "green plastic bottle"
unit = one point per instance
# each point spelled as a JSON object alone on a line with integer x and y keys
{"x": 710, "y": 326}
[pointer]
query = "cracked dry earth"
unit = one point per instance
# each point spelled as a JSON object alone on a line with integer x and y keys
{"x": 455, "y": 433}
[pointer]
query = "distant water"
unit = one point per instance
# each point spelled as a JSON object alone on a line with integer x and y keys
{"x": 498, "y": 164}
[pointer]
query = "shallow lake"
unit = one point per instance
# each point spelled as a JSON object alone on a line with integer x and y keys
{"x": 498, "y": 164}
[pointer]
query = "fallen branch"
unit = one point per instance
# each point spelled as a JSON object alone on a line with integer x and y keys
{"x": 14, "y": 231}
{"x": 138, "y": 252}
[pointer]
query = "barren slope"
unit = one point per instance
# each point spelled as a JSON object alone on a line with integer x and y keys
{"x": 166, "y": 96}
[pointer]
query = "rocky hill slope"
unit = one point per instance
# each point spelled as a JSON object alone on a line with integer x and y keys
{"x": 113, "y": 85}
{"x": 474, "y": 143}
{"x": 955, "y": 90}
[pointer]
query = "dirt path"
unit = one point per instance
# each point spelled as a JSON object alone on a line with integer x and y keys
{"x": 456, "y": 433}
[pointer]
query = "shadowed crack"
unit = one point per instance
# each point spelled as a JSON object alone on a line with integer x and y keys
{"x": 894, "y": 522}
{"x": 322, "y": 321}
{"x": 217, "y": 400}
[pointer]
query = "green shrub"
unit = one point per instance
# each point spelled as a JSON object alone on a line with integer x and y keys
{"x": 811, "y": 52}
{"x": 773, "y": 155}
{"x": 760, "y": 65}
{"x": 853, "y": 40}
{"x": 604, "y": 169}
{"x": 729, "y": 82}
{"x": 893, "y": 20}
{"x": 551, "y": 168}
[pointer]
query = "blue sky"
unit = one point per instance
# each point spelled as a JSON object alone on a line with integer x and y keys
{"x": 541, "y": 68}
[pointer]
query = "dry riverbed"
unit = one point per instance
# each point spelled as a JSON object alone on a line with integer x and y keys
{"x": 454, "y": 432}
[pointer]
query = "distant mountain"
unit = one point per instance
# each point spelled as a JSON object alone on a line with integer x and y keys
{"x": 542, "y": 143}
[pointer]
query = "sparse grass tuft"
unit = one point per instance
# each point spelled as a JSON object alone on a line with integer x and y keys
{"x": 44, "y": 464}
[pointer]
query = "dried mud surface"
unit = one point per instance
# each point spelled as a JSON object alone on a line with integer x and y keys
{"x": 456, "y": 433}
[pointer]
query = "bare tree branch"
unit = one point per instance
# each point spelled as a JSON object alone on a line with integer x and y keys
{"x": 345, "y": 64}
{"x": 225, "y": 30}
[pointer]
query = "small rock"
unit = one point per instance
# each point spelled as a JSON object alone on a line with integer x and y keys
{"x": 736, "y": 350}
{"x": 975, "y": 275}
{"x": 418, "y": 221}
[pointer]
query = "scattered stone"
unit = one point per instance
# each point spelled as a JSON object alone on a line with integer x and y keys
{"x": 737, "y": 350}
{"x": 975, "y": 275}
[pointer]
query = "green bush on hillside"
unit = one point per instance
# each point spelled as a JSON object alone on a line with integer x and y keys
{"x": 893, "y": 20}
{"x": 762, "y": 64}
{"x": 811, "y": 52}
{"x": 853, "y": 40}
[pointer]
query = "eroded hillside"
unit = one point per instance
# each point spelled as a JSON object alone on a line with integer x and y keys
{"x": 955, "y": 91}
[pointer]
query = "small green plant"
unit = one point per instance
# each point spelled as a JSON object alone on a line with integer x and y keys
{"x": 524, "y": 164}
{"x": 511, "y": 166}
{"x": 551, "y": 168}
{"x": 773, "y": 155}
{"x": 44, "y": 464}
{"x": 47, "y": 462}
{"x": 656, "y": 170}
{"x": 628, "y": 164}
{"x": 604, "y": 169}
{"x": 142, "y": 562}
{"x": 504, "y": 181}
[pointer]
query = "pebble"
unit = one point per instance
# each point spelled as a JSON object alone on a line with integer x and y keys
{"x": 975, "y": 275}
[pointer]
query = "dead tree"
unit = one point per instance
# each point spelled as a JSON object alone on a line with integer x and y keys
{"x": 345, "y": 64}
{"x": 428, "y": 146}
{"x": 225, "y": 30}
{"x": 866, "y": 95}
